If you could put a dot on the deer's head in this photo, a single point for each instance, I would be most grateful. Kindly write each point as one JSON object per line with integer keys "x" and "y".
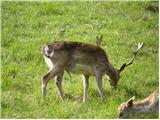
{"x": 114, "y": 74}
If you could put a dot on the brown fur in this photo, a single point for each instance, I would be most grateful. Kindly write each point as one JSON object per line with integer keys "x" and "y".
{"x": 87, "y": 49}
{"x": 86, "y": 53}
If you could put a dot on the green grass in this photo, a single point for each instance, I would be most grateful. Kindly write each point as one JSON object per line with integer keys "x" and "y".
{"x": 27, "y": 26}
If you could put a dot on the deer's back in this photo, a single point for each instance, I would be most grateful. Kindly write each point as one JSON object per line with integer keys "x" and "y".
{"x": 83, "y": 50}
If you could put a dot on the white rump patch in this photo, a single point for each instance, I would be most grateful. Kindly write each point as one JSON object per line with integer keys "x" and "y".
{"x": 49, "y": 62}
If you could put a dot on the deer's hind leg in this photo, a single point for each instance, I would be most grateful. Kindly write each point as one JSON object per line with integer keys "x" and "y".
{"x": 46, "y": 78}
{"x": 58, "y": 81}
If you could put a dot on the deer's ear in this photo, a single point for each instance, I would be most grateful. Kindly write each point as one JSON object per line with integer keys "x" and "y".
{"x": 130, "y": 102}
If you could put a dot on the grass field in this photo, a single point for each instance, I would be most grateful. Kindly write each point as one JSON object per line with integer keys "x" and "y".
{"x": 27, "y": 26}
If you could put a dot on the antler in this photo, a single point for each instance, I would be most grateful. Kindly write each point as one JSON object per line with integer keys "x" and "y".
{"x": 99, "y": 40}
{"x": 140, "y": 45}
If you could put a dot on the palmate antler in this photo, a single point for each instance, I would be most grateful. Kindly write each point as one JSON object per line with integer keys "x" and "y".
{"x": 140, "y": 45}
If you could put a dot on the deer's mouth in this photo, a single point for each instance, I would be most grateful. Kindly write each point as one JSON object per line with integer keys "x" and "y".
{"x": 112, "y": 83}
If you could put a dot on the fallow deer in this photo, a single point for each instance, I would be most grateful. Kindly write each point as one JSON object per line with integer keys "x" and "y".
{"x": 79, "y": 58}
{"x": 133, "y": 108}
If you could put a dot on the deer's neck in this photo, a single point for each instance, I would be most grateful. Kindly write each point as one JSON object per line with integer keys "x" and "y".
{"x": 112, "y": 72}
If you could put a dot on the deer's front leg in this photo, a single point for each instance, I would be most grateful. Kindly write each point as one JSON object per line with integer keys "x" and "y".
{"x": 99, "y": 83}
{"x": 47, "y": 77}
{"x": 85, "y": 84}
{"x": 58, "y": 81}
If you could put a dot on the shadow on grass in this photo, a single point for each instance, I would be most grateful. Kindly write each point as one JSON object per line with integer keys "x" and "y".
{"x": 72, "y": 98}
